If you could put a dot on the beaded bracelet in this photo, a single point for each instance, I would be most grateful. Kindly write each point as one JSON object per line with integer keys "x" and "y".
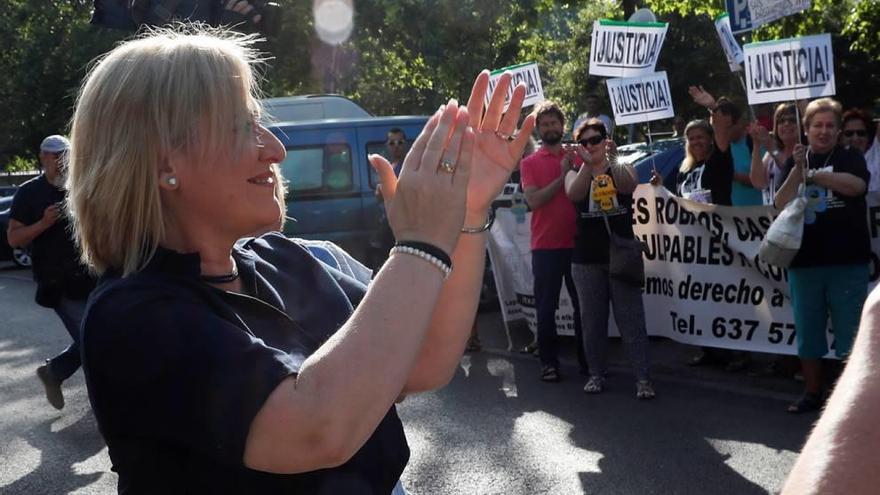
{"x": 428, "y": 252}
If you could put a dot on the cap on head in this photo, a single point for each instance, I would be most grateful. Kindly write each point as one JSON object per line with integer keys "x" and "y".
{"x": 55, "y": 144}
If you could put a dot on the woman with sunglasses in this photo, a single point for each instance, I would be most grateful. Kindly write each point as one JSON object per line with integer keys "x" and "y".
{"x": 602, "y": 192}
{"x": 777, "y": 147}
{"x": 829, "y": 274}
{"x": 856, "y": 134}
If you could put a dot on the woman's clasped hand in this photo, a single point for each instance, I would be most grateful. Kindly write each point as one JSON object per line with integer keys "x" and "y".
{"x": 456, "y": 167}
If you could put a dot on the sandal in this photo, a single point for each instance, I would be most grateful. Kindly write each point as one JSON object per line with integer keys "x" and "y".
{"x": 550, "y": 374}
{"x": 806, "y": 403}
{"x": 644, "y": 390}
{"x": 594, "y": 385}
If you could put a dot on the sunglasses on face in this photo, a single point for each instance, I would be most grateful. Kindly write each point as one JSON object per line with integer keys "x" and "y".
{"x": 855, "y": 132}
{"x": 396, "y": 142}
{"x": 592, "y": 141}
{"x": 786, "y": 120}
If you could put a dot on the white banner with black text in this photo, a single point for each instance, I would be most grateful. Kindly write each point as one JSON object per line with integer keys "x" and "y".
{"x": 704, "y": 282}
{"x": 625, "y": 49}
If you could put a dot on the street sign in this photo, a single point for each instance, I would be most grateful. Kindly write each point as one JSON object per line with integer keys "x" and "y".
{"x": 746, "y": 15}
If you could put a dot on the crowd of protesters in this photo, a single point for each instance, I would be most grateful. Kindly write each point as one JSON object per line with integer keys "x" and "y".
{"x": 728, "y": 161}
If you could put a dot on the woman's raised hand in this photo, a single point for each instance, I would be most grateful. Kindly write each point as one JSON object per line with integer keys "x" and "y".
{"x": 427, "y": 202}
{"x": 497, "y": 144}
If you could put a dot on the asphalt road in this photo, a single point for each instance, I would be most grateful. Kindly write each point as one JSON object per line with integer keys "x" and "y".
{"x": 496, "y": 429}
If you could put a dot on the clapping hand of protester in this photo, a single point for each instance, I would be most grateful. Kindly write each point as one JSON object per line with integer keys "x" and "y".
{"x": 495, "y": 150}
{"x": 427, "y": 202}
{"x": 611, "y": 150}
{"x": 702, "y": 97}
{"x": 568, "y": 158}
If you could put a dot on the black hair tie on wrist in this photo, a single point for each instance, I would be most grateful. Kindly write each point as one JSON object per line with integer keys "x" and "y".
{"x": 427, "y": 248}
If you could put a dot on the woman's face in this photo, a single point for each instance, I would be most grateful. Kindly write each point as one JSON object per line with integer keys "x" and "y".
{"x": 855, "y": 134}
{"x": 822, "y": 131}
{"x": 699, "y": 144}
{"x": 234, "y": 192}
{"x": 594, "y": 143}
{"x": 787, "y": 128}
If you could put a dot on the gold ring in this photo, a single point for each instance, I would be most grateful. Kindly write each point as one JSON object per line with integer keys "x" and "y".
{"x": 506, "y": 137}
{"x": 447, "y": 166}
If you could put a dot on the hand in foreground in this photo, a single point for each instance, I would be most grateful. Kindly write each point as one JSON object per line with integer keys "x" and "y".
{"x": 427, "y": 202}
{"x": 495, "y": 156}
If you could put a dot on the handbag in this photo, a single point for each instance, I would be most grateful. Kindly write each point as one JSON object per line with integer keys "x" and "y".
{"x": 625, "y": 262}
{"x": 782, "y": 241}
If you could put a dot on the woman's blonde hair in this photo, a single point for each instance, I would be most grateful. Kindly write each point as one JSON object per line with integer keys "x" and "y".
{"x": 822, "y": 105}
{"x": 188, "y": 89}
{"x": 689, "y": 161}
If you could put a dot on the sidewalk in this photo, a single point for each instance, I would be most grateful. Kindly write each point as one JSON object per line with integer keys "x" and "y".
{"x": 668, "y": 361}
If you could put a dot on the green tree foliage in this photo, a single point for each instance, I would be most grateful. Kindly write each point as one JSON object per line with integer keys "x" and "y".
{"x": 861, "y": 25}
{"x": 47, "y": 46}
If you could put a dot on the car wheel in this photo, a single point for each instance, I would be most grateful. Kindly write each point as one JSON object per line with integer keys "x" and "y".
{"x": 22, "y": 257}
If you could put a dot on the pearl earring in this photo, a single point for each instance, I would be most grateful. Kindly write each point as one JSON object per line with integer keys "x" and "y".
{"x": 172, "y": 181}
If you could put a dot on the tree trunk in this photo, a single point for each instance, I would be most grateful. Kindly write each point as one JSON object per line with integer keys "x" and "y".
{"x": 629, "y": 7}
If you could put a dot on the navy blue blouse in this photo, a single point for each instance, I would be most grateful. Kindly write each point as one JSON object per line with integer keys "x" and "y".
{"x": 177, "y": 369}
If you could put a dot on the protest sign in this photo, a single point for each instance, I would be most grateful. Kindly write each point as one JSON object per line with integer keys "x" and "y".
{"x": 705, "y": 284}
{"x": 523, "y": 73}
{"x": 750, "y": 14}
{"x": 511, "y": 257}
{"x": 731, "y": 48}
{"x": 789, "y": 69}
{"x": 640, "y": 99}
{"x": 625, "y": 49}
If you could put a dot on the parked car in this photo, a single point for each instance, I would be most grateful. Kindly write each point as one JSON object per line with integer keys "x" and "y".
{"x": 19, "y": 256}
{"x": 665, "y": 155}
{"x": 312, "y": 107}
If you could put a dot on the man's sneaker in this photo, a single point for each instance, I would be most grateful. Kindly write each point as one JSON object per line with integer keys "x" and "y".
{"x": 594, "y": 385}
{"x": 52, "y": 386}
{"x": 644, "y": 390}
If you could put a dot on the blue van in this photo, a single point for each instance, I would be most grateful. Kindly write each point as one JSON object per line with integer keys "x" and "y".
{"x": 330, "y": 182}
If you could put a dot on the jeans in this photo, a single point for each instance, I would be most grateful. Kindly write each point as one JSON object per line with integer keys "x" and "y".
{"x": 597, "y": 289}
{"x": 549, "y": 268}
{"x": 71, "y": 313}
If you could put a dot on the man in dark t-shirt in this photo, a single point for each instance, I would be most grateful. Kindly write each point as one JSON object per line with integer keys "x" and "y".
{"x": 63, "y": 283}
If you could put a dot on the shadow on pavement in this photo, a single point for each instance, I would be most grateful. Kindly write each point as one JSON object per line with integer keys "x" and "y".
{"x": 534, "y": 437}
{"x": 59, "y": 454}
